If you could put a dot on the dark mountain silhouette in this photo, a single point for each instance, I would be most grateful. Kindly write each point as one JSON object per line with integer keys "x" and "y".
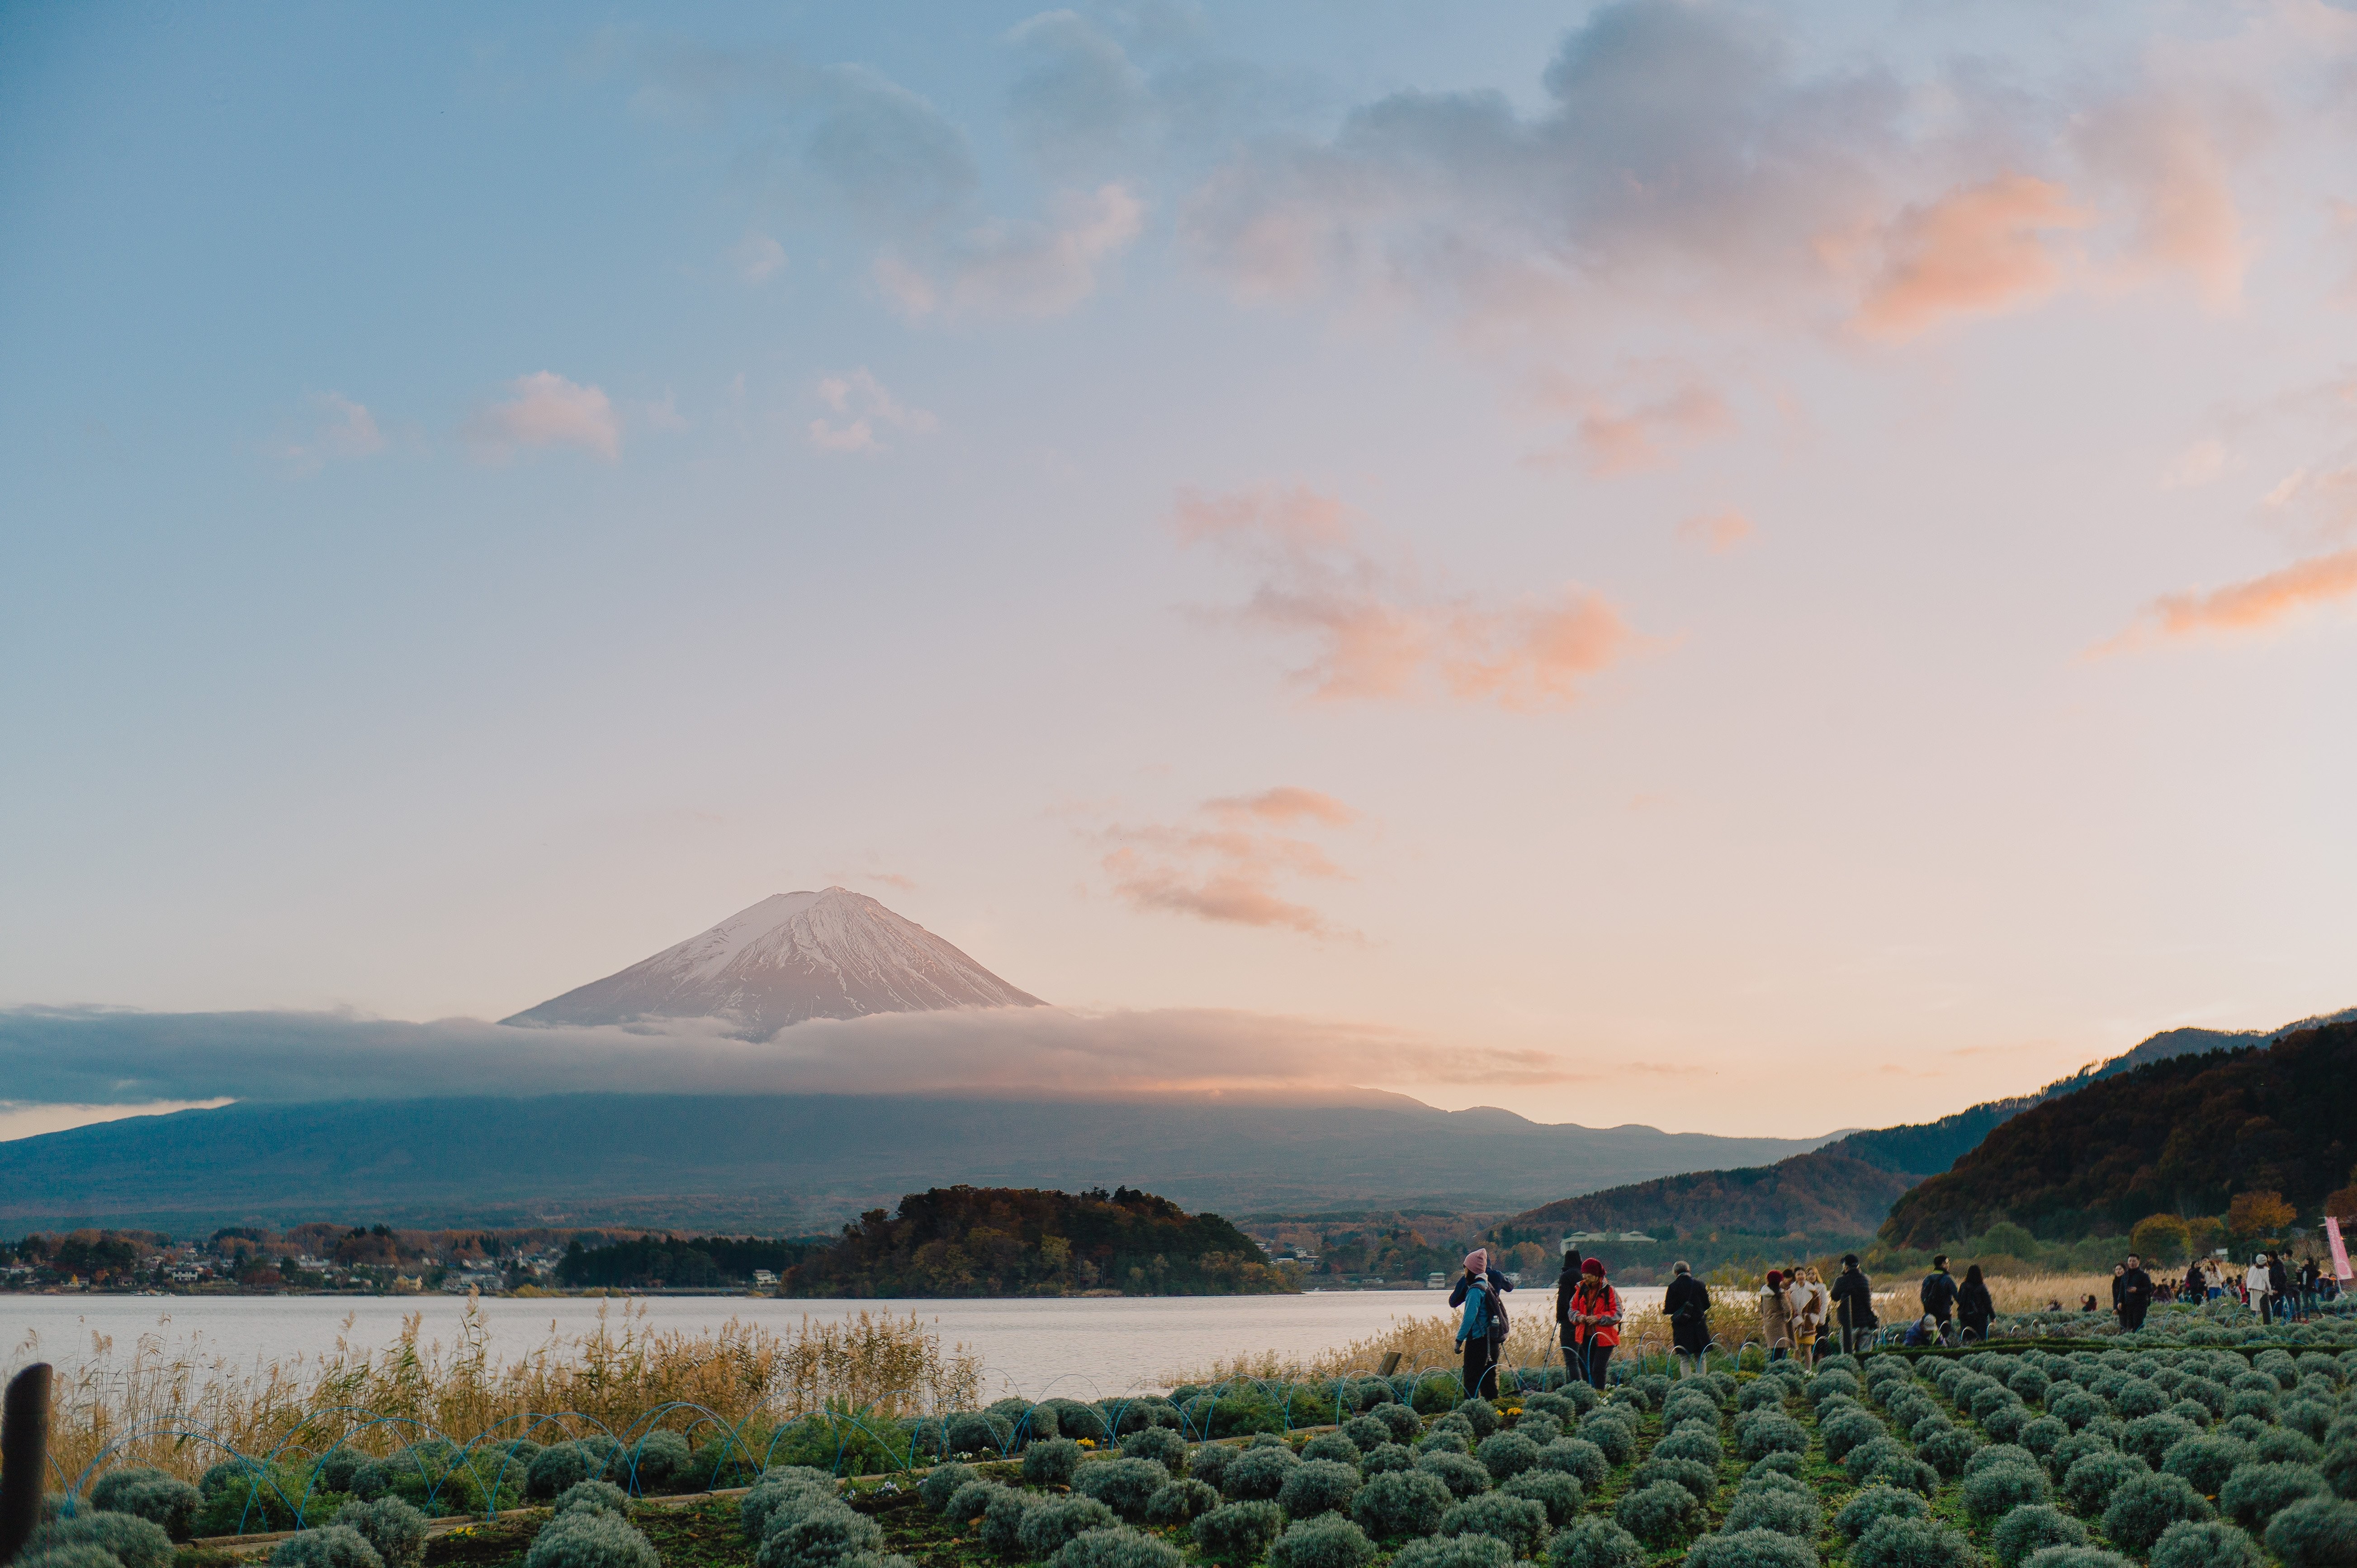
{"x": 2183, "y": 1134}
{"x": 782, "y": 1164}
{"x": 1846, "y": 1187}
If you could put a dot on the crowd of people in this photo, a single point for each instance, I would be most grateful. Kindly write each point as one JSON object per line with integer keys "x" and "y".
{"x": 1801, "y": 1314}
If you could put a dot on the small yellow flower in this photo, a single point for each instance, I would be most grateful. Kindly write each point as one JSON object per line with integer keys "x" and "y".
{"x": 1088, "y": 1443}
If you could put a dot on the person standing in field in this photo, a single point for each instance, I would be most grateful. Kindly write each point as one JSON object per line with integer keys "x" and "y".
{"x": 2255, "y": 1287}
{"x": 1812, "y": 1305}
{"x": 1939, "y": 1293}
{"x": 1776, "y": 1316}
{"x": 1565, "y": 1282}
{"x": 2134, "y": 1293}
{"x": 1686, "y": 1303}
{"x": 2279, "y": 1287}
{"x": 1853, "y": 1304}
{"x": 1973, "y": 1307}
{"x": 1481, "y": 1332}
{"x": 1595, "y": 1320}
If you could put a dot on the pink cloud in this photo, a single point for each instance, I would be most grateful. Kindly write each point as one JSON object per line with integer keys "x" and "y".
{"x": 1381, "y": 634}
{"x": 867, "y": 404}
{"x": 1717, "y": 532}
{"x": 2171, "y": 157}
{"x": 544, "y": 408}
{"x": 1224, "y": 862}
{"x": 2244, "y": 606}
{"x": 1977, "y": 251}
{"x": 1615, "y": 439}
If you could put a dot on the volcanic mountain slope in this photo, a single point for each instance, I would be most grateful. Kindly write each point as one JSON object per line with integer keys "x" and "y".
{"x": 832, "y": 954}
{"x": 1848, "y": 1185}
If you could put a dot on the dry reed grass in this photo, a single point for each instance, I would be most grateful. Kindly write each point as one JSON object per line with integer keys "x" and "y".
{"x": 170, "y": 1405}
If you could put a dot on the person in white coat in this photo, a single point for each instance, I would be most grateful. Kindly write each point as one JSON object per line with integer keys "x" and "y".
{"x": 2255, "y": 1282}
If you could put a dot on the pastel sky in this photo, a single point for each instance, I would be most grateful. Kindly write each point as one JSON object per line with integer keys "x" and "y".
{"x": 1793, "y": 565}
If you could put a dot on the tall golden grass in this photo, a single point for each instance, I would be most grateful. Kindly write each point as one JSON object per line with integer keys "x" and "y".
{"x": 172, "y": 1405}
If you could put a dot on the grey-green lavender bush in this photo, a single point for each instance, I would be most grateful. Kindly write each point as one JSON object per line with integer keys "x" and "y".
{"x": 1316, "y": 1487}
{"x": 2207, "y": 1461}
{"x": 1258, "y": 1474}
{"x": 131, "y": 1540}
{"x": 1462, "y": 1475}
{"x": 2094, "y": 1477}
{"x": 1126, "y": 1486}
{"x": 1998, "y": 1489}
{"x": 164, "y": 1500}
{"x": 2321, "y": 1533}
{"x": 1895, "y": 1541}
{"x": 1401, "y": 1503}
{"x": 1385, "y": 1457}
{"x": 1751, "y": 1549}
{"x": 1238, "y": 1533}
{"x": 2141, "y": 1509}
{"x": 1552, "y": 1490}
{"x": 1328, "y": 1540}
{"x": 393, "y": 1527}
{"x": 595, "y": 1497}
{"x": 1052, "y": 1463}
{"x": 1781, "y": 1463}
{"x": 1702, "y": 1480}
{"x": 1583, "y": 1461}
{"x": 1869, "y": 1507}
{"x": 2282, "y": 1445}
{"x": 942, "y": 1483}
{"x": 1400, "y": 1420}
{"x": 1209, "y": 1462}
{"x": 1116, "y": 1549}
{"x": 1695, "y": 1444}
{"x": 2255, "y": 1492}
{"x": 1791, "y": 1513}
{"x": 2204, "y": 1543}
{"x": 1661, "y": 1515}
{"x": 1506, "y": 1454}
{"x": 1518, "y": 1521}
{"x": 1483, "y": 1414}
{"x": 2075, "y": 1557}
{"x": 1003, "y": 1519}
{"x": 1846, "y": 1430}
{"x": 2032, "y": 1528}
{"x": 1180, "y": 1502}
{"x": 1048, "y": 1524}
{"x": 1167, "y": 1449}
{"x": 1458, "y": 1552}
{"x": 1594, "y": 1541}
{"x": 824, "y": 1537}
{"x": 335, "y": 1546}
{"x": 605, "y": 1541}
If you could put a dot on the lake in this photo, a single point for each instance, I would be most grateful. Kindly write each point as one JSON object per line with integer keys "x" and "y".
{"x": 1077, "y": 1347}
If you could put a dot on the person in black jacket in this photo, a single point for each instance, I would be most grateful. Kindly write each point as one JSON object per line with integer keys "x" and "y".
{"x": 2134, "y": 1289}
{"x": 1565, "y": 1283}
{"x": 1973, "y": 1307}
{"x": 1686, "y": 1303}
{"x": 1939, "y": 1293}
{"x": 1482, "y": 1349}
{"x": 2279, "y": 1286}
{"x": 1853, "y": 1304}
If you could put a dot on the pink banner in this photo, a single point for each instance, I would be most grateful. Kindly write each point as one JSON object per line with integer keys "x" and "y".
{"x": 2339, "y": 1252}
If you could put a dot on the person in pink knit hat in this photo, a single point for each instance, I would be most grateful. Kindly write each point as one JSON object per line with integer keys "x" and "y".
{"x": 1481, "y": 1331}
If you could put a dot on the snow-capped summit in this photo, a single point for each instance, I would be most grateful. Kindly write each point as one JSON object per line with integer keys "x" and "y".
{"x": 834, "y": 954}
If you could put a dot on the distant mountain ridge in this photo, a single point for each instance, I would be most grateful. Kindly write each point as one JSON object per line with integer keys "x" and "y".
{"x": 793, "y": 956}
{"x": 787, "y": 1164}
{"x": 1848, "y": 1185}
{"x": 2182, "y": 1133}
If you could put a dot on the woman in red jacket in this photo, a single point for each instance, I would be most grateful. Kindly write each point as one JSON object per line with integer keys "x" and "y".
{"x": 1594, "y": 1320}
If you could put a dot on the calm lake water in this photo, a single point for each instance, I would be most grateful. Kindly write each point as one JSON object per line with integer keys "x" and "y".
{"x": 1077, "y": 1348}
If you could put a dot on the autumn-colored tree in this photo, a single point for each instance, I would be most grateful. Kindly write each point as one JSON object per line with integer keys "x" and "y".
{"x": 2262, "y": 1212}
{"x": 2161, "y": 1239}
{"x": 2208, "y": 1233}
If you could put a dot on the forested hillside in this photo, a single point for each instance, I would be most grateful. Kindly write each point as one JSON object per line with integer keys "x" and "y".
{"x": 973, "y": 1241}
{"x": 2182, "y": 1135}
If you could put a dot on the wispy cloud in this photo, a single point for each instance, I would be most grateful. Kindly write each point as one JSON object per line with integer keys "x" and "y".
{"x": 1976, "y": 251}
{"x": 1225, "y": 861}
{"x": 2169, "y": 153}
{"x": 1009, "y": 267}
{"x": 1622, "y": 436}
{"x": 865, "y": 403}
{"x": 2245, "y": 606}
{"x": 545, "y": 409}
{"x": 341, "y": 430}
{"x": 1716, "y": 533}
{"x": 1381, "y": 633}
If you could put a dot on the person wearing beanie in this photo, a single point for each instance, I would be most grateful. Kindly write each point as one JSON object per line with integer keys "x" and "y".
{"x": 1686, "y": 1303}
{"x": 1481, "y": 1332}
{"x": 1594, "y": 1321}
{"x": 1565, "y": 1283}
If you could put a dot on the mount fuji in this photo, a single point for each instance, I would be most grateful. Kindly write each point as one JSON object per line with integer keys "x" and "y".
{"x": 830, "y": 954}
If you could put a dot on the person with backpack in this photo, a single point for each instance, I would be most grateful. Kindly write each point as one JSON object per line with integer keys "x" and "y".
{"x": 1973, "y": 1307}
{"x": 1481, "y": 1332}
{"x": 1853, "y": 1304}
{"x": 1686, "y": 1303}
{"x": 1939, "y": 1293}
{"x": 1595, "y": 1320}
